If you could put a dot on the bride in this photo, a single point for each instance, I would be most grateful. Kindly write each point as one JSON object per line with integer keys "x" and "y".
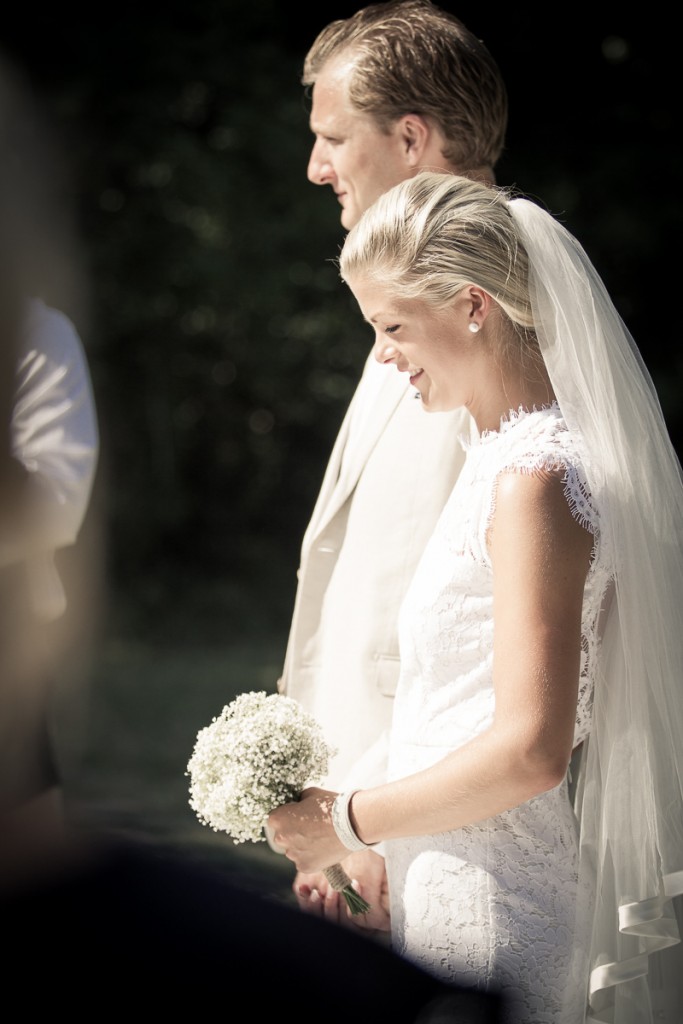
{"x": 545, "y": 620}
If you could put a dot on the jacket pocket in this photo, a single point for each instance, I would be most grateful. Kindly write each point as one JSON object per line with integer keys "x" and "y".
{"x": 388, "y": 668}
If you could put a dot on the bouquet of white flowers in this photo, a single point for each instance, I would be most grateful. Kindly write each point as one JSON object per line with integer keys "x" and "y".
{"x": 257, "y": 754}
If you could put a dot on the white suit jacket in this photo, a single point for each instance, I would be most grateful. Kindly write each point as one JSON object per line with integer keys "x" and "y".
{"x": 391, "y": 470}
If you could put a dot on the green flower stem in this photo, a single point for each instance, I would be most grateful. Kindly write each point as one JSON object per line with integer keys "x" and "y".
{"x": 341, "y": 882}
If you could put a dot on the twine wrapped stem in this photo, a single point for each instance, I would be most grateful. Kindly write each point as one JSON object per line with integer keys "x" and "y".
{"x": 341, "y": 882}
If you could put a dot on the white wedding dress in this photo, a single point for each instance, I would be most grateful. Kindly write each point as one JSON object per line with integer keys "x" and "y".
{"x": 492, "y": 904}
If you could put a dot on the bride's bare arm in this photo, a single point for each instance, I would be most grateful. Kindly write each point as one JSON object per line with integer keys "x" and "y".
{"x": 540, "y": 556}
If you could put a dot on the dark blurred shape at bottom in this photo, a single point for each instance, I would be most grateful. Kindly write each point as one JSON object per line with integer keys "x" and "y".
{"x": 126, "y": 925}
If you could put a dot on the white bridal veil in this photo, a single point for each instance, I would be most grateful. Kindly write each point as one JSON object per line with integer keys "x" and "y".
{"x": 630, "y": 804}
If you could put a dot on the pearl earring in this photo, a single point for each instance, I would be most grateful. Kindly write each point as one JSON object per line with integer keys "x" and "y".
{"x": 474, "y": 327}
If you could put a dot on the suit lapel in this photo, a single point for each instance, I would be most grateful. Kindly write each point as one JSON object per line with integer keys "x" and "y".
{"x": 347, "y": 460}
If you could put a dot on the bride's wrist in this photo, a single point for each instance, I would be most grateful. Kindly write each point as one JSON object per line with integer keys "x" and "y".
{"x": 345, "y": 824}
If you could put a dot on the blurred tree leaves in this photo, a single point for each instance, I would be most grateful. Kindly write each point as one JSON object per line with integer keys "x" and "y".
{"x": 223, "y": 347}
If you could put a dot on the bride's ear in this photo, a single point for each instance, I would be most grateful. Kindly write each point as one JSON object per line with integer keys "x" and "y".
{"x": 477, "y": 306}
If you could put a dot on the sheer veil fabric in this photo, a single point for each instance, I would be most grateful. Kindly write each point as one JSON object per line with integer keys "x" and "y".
{"x": 630, "y": 797}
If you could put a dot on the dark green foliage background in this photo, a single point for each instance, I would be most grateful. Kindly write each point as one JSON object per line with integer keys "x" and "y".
{"x": 223, "y": 347}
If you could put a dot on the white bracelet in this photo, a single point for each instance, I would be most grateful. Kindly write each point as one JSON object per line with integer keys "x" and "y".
{"x": 342, "y": 823}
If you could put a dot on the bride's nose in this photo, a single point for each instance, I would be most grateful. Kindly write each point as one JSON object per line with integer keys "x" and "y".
{"x": 385, "y": 352}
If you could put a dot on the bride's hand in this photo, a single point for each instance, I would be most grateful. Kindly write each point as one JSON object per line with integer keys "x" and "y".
{"x": 304, "y": 831}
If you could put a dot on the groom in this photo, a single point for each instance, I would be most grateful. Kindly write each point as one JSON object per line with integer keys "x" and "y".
{"x": 396, "y": 88}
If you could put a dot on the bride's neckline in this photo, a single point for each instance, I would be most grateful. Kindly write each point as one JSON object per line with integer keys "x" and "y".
{"x": 512, "y": 418}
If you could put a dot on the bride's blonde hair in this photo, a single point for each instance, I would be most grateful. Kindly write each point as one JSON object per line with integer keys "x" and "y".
{"x": 435, "y": 233}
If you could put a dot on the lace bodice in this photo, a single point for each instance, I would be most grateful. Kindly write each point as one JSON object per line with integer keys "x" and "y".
{"x": 446, "y": 621}
{"x": 513, "y": 878}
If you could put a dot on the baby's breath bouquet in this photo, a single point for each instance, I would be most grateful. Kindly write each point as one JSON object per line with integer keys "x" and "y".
{"x": 257, "y": 754}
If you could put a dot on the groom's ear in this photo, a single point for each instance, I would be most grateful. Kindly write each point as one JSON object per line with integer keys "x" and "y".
{"x": 414, "y": 133}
